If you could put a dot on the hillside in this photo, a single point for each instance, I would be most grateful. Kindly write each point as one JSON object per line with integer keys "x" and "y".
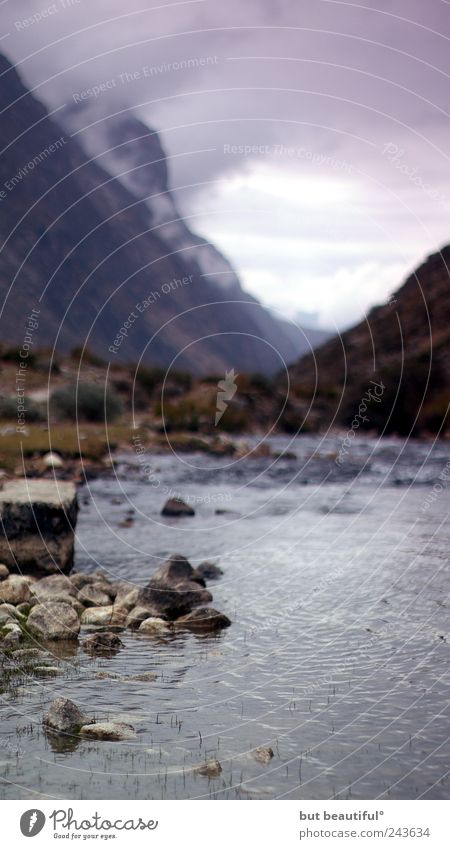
{"x": 403, "y": 345}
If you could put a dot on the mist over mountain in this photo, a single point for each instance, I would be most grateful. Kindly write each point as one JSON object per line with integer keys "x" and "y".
{"x": 95, "y": 243}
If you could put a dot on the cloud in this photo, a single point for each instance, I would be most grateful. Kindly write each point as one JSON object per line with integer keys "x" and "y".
{"x": 338, "y": 81}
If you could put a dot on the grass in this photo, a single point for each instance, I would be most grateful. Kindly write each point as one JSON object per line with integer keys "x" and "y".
{"x": 91, "y": 442}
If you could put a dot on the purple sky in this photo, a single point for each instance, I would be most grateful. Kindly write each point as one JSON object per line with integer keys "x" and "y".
{"x": 347, "y": 104}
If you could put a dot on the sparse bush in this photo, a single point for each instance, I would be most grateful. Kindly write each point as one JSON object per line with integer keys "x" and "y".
{"x": 86, "y": 401}
{"x": 8, "y": 410}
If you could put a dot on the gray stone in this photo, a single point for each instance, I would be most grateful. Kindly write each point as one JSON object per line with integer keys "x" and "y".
{"x": 4, "y": 571}
{"x": 209, "y": 571}
{"x": 53, "y": 585}
{"x": 38, "y": 518}
{"x": 165, "y": 600}
{"x": 108, "y": 616}
{"x": 203, "y": 619}
{"x": 211, "y": 768}
{"x": 138, "y": 614}
{"x": 103, "y": 641}
{"x": 153, "y": 625}
{"x": 14, "y": 590}
{"x": 65, "y": 716}
{"x": 92, "y": 595}
{"x": 54, "y": 620}
{"x": 174, "y": 570}
{"x": 177, "y": 507}
{"x": 263, "y": 754}
{"x": 108, "y": 731}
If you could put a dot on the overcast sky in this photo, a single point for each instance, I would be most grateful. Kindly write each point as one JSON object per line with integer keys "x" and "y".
{"x": 347, "y": 104}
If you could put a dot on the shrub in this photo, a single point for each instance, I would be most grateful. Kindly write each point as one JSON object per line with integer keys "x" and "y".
{"x": 8, "y": 410}
{"x": 86, "y": 401}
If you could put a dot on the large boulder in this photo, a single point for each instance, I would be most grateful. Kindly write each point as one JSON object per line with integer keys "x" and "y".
{"x": 38, "y": 519}
{"x": 65, "y": 716}
{"x": 177, "y": 507}
{"x": 14, "y": 590}
{"x": 54, "y": 620}
{"x": 203, "y": 619}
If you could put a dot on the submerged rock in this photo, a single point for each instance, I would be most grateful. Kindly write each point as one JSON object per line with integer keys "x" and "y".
{"x": 203, "y": 619}
{"x": 65, "y": 716}
{"x": 108, "y": 731}
{"x": 14, "y": 590}
{"x": 103, "y": 641}
{"x": 54, "y": 620}
{"x": 177, "y": 507}
{"x": 211, "y": 769}
{"x": 263, "y": 754}
{"x": 38, "y": 518}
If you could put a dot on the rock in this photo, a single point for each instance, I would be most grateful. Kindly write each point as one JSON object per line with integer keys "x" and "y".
{"x": 211, "y": 769}
{"x": 38, "y": 518}
{"x": 153, "y": 625}
{"x": 165, "y": 600}
{"x": 65, "y": 716}
{"x": 7, "y": 614}
{"x": 108, "y": 731}
{"x": 54, "y": 620}
{"x": 52, "y": 586}
{"x": 43, "y": 671}
{"x": 209, "y": 571}
{"x": 108, "y": 616}
{"x": 103, "y": 641}
{"x": 127, "y": 596}
{"x": 142, "y": 676}
{"x": 92, "y": 595}
{"x": 193, "y": 593}
{"x": 263, "y": 754}
{"x": 138, "y": 614}
{"x": 174, "y": 570}
{"x": 4, "y": 571}
{"x": 24, "y": 608}
{"x": 203, "y": 619}
{"x": 14, "y": 590}
{"x": 52, "y": 461}
{"x": 80, "y": 579}
{"x": 177, "y": 507}
{"x": 13, "y": 636}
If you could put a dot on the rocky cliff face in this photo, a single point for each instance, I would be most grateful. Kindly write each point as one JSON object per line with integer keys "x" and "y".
{"x": 403, "y": 345}
{"x": 108, "y": 262}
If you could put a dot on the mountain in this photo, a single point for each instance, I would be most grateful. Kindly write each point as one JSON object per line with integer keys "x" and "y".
{"x": 109, "y": 263}
{"x": 402, "y": 347}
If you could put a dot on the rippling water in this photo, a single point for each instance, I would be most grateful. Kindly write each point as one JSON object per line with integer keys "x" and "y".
{"x": 336, "y": 580}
